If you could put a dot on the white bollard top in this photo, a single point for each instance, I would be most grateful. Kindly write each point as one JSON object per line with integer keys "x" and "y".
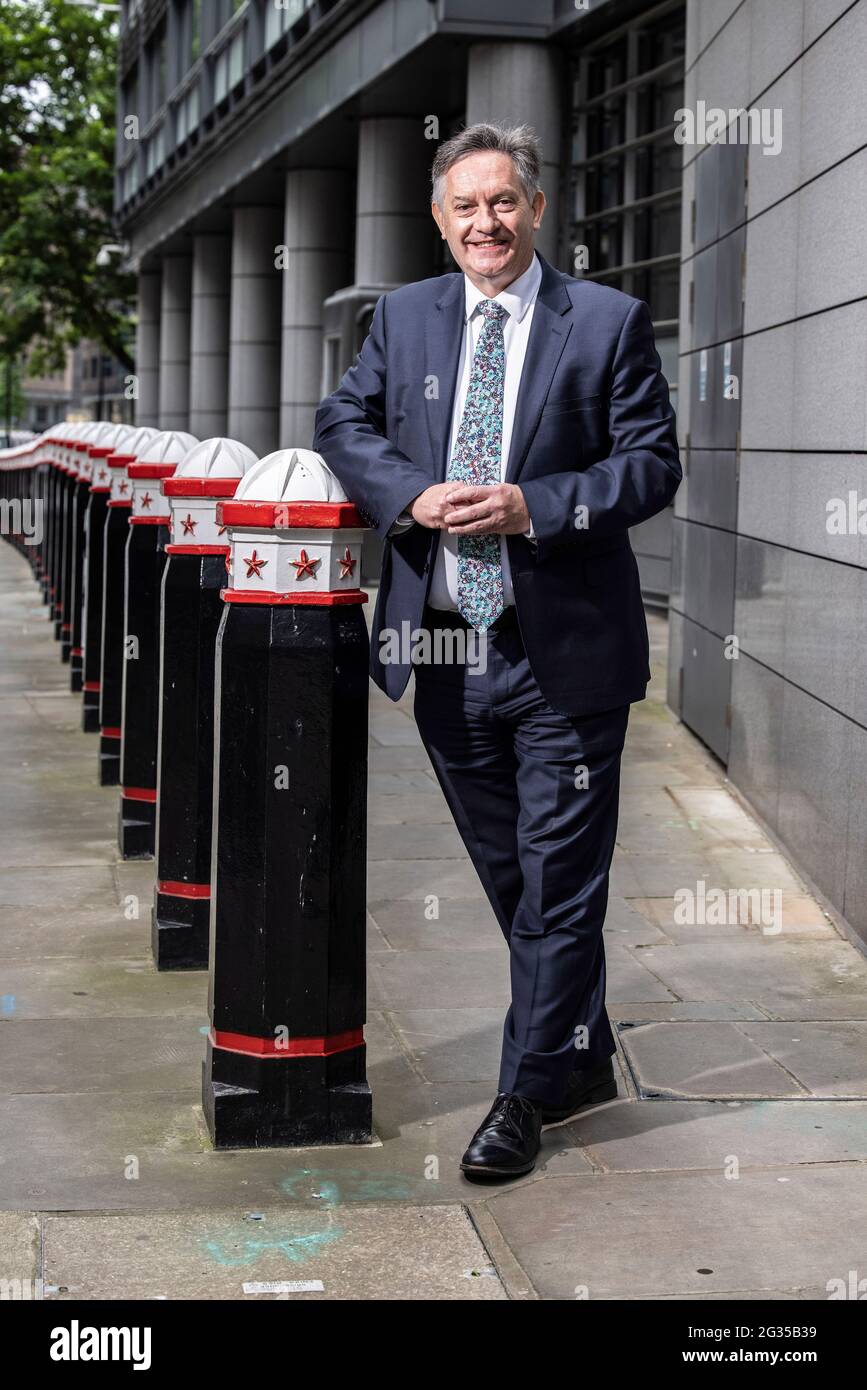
{"x": 168, "y": 447}
{"x": 210, "y": 471}
{"x": 104, "y": 443}
{"x": 291, "y": 475}
{"x": 158, "y": 459}
{"x": 217, "y": 458}
{"x": 131, "y": 444}
{"x": 294, "y": 536}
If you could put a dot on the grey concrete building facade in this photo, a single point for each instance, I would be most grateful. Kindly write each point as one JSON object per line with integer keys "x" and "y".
{"x": 272, "y": 170}
{"x": 769, "y": 587}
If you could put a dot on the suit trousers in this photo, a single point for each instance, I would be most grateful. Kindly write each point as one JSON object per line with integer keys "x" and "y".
{"x": 534, "y": 794}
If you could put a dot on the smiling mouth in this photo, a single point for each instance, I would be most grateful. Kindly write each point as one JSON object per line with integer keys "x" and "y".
{"x": 484, "y": 244}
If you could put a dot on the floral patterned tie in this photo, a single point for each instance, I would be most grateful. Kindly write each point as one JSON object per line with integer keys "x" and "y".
{"x": 476, "y": 461}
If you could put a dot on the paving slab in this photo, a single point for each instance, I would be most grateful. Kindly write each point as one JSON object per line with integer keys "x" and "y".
{"x": 440, "y": 979}
{"x": 624, "y": 1235}
{"x": 75, "y": 988}
{"x": 40, "y": 933}
{"x": 459, "y": 922}
{"x": 428, "y": 808}
{"x": 758, "y": 967}
{"x": 828, "y": 1059}
{"x": 65, "y": 887}
{"x": 19, "y": 1254}
{"x": 680, "y": 1010}
{"x": 630, "y": 977}
{"x": 383, "y": 1253}
{"x": 703, "y": 1060}
{"x": 423, "y": 878}
{"x": 453, "y": 1044}
{"x": 800, "y": 916}
{"x": 414, "y": 842}
{"x": 635, "y": 1136}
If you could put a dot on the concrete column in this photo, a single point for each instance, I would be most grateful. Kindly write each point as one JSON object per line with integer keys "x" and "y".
{"x": 254, "y": 333}
{"x": 175, "y": 344}
{"x": 147, "y": 348}
{"x": 520, "y": 84}
{"x": 394, "y": 234}
{"x": 209, "y": 335}
{"x": 318, "y": 216}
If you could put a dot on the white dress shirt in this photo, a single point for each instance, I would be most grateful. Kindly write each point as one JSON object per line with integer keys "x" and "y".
{"x": 519, "y": 300}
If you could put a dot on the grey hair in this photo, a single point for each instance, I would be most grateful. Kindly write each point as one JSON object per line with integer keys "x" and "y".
{"x": 519, "y": 142}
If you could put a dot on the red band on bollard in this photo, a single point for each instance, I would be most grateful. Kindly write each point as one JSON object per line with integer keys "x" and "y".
{"x": 288, "y": 515}
{"x": 110, "y": 732}
{"x": 177, "y": 549}
{"x": 91, "y": 685}
{"x": 139, "y": 793}
{"x": 293, "y": 1047}
{"x": 323, "y": 599}
{"x": 176, "y": 889}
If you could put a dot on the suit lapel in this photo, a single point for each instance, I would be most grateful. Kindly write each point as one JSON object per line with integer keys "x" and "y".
{"x": 444, "y": 328}
{"x": 548, "y": 334}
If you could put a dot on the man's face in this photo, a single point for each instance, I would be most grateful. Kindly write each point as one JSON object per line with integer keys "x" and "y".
{"x": 487, "y": 220}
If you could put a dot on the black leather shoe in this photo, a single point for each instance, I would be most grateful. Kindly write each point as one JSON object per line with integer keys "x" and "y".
{"x": 591, "y": 1086}
{"x": 507, "y": 1141}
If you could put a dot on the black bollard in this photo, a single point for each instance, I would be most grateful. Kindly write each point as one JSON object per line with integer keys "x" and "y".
{"x": 126, "y": 450}
{"x": 49, "y": 478}
{"x": 145, "y": 562}
{"x": 81, "y": 464}
{"x": 61, "y": 544}
{"x": 192, "y": 608}
{"x": 67, "y": 456}
{"x": 61, "y": 515}
{"x": 285, "y": 1062}
{"x": 98, "y": 446}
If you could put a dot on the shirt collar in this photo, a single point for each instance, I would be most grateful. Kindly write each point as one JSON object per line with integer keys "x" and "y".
{"x": 516, "y": 298}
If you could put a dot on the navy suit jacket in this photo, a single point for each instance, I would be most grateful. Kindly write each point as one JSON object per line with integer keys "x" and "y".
{"x": 594, "y": 428}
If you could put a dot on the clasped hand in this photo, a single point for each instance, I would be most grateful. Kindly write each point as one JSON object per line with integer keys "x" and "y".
{"x": 465, "y": 510}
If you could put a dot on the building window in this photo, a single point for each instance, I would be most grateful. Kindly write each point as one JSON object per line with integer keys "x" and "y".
{"x": 229, "y": 67}
{"x": 156, "y": 72}
{"x": 236, "y": 59}
{"x": 625, "y": 168}
{"x": 280, "y": 18}
{"x": 156, "y": 151}
{"x": 187, "y": 115}
{"x": 195, "y": 30}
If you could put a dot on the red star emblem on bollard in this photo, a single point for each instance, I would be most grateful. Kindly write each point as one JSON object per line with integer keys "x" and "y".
{"x": 254, "y": 565}
{"x": 305, "y": 565}
{"x": 123, "y": 487}
{"x": 347, "y": 564}
{"x": 146, "y": 501}
{"x": 188, "y": 524}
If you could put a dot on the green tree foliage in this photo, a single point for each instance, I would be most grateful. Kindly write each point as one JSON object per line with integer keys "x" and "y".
{"x": 57, "y": 108}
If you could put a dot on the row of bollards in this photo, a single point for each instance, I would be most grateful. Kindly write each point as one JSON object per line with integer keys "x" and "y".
{"x": 208, "y": 605}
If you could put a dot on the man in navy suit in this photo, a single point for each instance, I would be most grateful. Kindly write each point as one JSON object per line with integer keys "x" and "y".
{"x": 501, "y": 430}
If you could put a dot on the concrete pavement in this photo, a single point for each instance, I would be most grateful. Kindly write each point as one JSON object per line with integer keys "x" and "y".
{"x": 732, "y": 1165}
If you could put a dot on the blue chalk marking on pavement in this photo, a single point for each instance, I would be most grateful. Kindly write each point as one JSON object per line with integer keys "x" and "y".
{"x": 362, "y": 1187}
{"x": 7, "y": 1004}
{"x": 297, "y": 1249}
